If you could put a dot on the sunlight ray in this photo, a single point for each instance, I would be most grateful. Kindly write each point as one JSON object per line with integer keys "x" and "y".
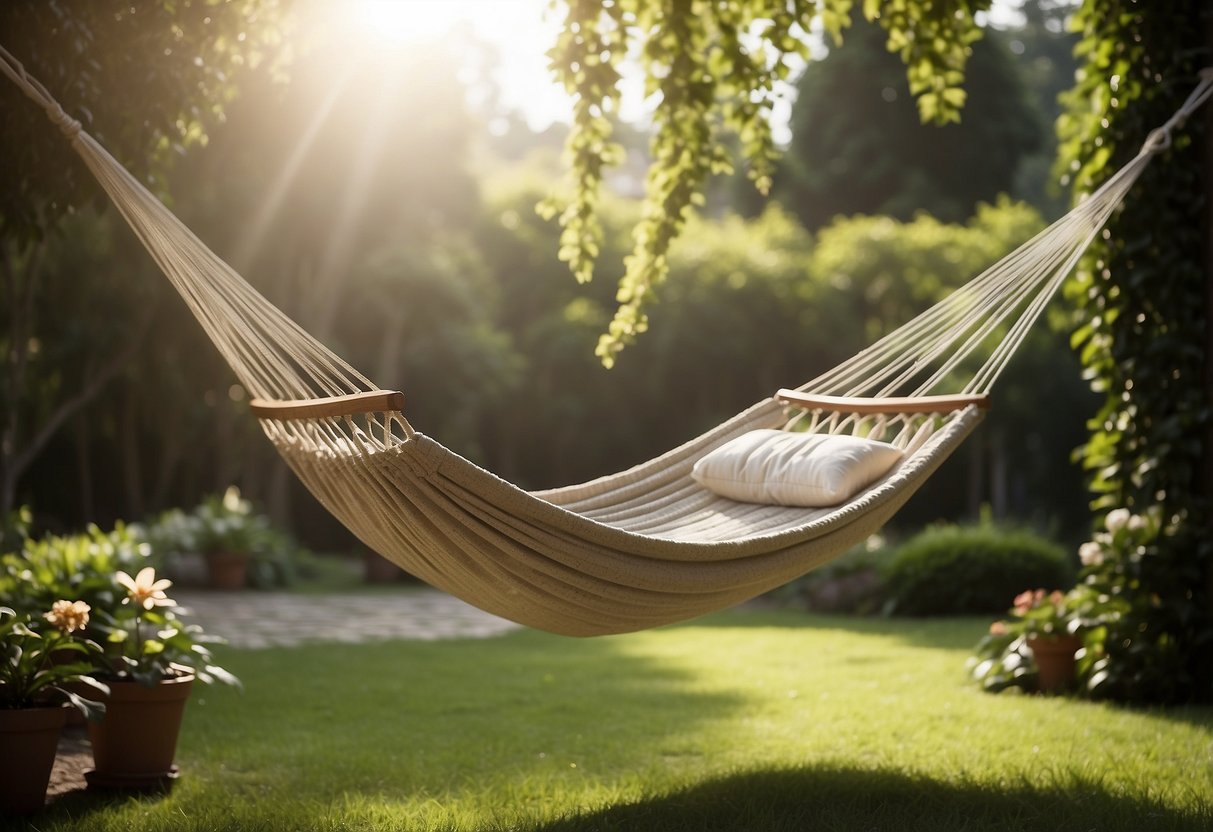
{"x": 249, "y": 246}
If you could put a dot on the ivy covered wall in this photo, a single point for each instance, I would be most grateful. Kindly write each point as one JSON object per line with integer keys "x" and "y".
{"x": 1143, "y": 298}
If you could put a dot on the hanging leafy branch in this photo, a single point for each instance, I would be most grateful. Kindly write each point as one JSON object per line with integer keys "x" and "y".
{"x": 933, "y": 40}
{"x": 712, "y": 68}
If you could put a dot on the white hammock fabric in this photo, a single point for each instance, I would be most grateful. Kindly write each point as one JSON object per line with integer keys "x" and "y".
{"x": 641, "y": 548}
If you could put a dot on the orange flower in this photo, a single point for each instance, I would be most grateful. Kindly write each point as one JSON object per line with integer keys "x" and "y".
{"x": 144, "y": 589}
{"x": 68, "y": 616}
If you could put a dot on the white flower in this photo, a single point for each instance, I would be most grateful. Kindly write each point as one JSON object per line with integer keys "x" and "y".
{"x": 233, "y": 502}
{"x": 1117, "y": 519}
{"x": 144, "y": 589}
{"x": 1136, "y": 523}
{"x": 1090, "y": 553}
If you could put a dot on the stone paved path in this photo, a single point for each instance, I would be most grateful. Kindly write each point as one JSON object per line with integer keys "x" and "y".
{"x": 256, "y": 620}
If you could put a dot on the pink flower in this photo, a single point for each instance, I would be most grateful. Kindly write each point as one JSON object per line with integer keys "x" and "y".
{"x": 998, "y": 628}
{"x": 1028, "y": 599}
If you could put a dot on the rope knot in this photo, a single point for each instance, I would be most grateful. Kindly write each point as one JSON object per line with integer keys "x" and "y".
{"x": 66, "y": 124}
{"x": 1158, "y": 140}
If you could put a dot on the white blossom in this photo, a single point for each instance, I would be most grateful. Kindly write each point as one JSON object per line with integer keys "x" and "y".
{"x": 1117, "y": 519}
{"x": 1090, "y": 553}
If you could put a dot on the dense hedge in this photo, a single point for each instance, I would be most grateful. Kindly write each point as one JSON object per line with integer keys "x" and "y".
{"x": 960, "y": 570}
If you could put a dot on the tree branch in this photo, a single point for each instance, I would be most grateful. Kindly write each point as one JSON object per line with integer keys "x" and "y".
{"x": 86, "y": 394}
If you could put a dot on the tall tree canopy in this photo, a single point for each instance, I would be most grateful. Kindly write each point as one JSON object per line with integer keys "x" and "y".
{"x": 859, "y": 147}
{"x": 145, "y": 79}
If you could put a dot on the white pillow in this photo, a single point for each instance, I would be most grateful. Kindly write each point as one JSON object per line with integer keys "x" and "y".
{"x": 794, "y": 469}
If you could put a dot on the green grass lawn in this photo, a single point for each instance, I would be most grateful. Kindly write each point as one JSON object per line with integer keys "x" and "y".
{"x": 748, "y": 720}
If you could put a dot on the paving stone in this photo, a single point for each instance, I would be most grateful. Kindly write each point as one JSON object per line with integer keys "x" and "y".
{"x": 259, "y": 620}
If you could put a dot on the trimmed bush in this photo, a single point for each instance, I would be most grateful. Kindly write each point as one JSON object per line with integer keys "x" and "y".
{"x": 970, "y": 570}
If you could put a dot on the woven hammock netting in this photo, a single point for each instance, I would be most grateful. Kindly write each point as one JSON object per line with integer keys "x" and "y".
{"x": 644, "y": 547}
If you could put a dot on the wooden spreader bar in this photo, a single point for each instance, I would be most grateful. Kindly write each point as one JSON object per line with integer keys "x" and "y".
{"x": 883, "y": 405}
{"x": 374, "y": 401}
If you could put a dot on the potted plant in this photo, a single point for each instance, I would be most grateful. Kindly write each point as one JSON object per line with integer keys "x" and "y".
{"x": 239, "y": 546}
{"x": 40, "y": 571}
{"x": 1039, "y": 644}
{"x": 35, "y": 670}
{"x": 227, "y": 534}
{"x": 151, "y": 665}
{"x": 1051, "y": 635}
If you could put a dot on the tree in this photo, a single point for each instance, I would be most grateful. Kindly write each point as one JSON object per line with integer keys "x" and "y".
{"x": 713, "y": 66}
{"x": 859, "y": 147}
{"x": 147, "y": 80}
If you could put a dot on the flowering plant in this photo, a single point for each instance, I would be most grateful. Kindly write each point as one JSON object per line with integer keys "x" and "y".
{"x": 34, "y": 667}
{"x": 1003, "y": 658}
{"x": 1124, "y": 640}
{"x": 1124, "y": 536}
{"x": 148, "y": 639}
{"x": 1041, "y": 614}
{"x": 1098, "y": 608}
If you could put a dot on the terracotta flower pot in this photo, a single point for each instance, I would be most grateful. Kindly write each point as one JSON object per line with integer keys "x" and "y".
{"x": 227, "y": 570}
{"x": 134, "y": 745}
{"x": 29, "y": 737}
{"x": 1055, "y": 661}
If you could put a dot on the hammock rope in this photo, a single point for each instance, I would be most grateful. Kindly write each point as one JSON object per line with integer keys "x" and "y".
{"x": 646, "y": 546}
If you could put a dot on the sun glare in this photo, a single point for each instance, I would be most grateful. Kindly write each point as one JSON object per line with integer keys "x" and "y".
{"x": 397, "y": 21}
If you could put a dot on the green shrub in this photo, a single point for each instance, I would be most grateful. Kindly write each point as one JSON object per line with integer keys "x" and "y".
{"x": 79, "y": 567}
{"x": 963, "y": 570}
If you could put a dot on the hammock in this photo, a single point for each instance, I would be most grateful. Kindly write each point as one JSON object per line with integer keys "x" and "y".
{"x": 644, "y": 547}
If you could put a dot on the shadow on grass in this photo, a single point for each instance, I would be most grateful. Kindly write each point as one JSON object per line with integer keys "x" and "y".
{"x": 397, "y": 718}
{"x": 824, "y": 798}
{"x": 77, "y": 805}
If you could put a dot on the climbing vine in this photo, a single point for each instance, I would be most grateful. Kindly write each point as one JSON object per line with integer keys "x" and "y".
{"x": 1141, "y": 296}
{"x": 712, "y": 68}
